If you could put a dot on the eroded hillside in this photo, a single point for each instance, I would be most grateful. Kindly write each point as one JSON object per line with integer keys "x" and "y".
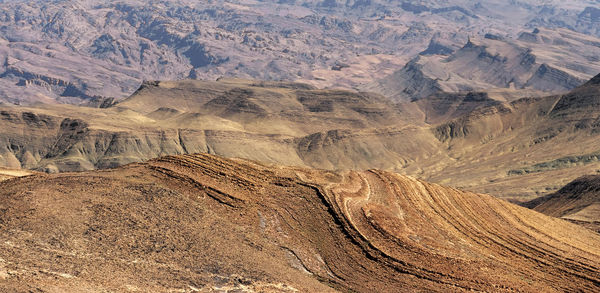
{"x": 552, "y": 61}
{"x": 73, "y": 51}
{"x": 516, "y": 150}
{"x": 578, "y": 202}
{"x": 237, "y": 118}
{"x": 201, "y": 222}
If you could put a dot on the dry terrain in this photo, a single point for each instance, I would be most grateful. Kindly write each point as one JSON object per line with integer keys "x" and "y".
{"x": 78, "y": 51}
{"x": 201, "y": 222}
{"x": 517, "y": 150}
{"x": 6, "y": 174}
{"x": 578, "y": 202}
{"x": 299, "y": 146}
{"x": 539, "y": 60}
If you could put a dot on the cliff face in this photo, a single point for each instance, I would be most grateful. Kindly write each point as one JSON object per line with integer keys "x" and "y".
{"x": 204, "y": 222}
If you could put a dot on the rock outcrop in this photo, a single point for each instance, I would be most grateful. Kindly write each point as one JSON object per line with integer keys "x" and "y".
{"x": 201, "y": 222}
{"x": 546, "y": 60}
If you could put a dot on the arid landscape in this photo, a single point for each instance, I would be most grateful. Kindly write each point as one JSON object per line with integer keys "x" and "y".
{"x": 576, "y": 202}
{"x": 206, "y": 223}
{"x": 471, "y": 141}
{"x": 74, "y": 51}
{"x": 299, "y": 146}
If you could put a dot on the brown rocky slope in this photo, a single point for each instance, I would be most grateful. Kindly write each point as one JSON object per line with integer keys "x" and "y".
{"x": 578, "y": 202}
{"x": 516, "y": 150}
{"x": 201, "y": 222}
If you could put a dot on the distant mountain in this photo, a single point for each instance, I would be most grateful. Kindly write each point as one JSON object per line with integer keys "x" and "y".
{"x": 76, "y": 51}
{"x": 543, "y": 60}
{"x": 581, "y": 106}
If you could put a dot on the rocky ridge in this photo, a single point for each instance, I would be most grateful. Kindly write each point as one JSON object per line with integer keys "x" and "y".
{"x": 551, "y": 61}
{"x": 578, "y": 202}
{"x": 73, "y": 51}
{"x": 516, "y": 150}
{"x": 201, "y": 222}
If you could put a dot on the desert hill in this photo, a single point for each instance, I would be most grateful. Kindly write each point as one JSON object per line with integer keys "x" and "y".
{"x": 578, "y": 201}
{"x": 525, "y": 144}
{"x": 201, "y": 222}
{"x": 261, "y": 121}
{"x": 517, "y": 150}
{"x": 542, "y": 60}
